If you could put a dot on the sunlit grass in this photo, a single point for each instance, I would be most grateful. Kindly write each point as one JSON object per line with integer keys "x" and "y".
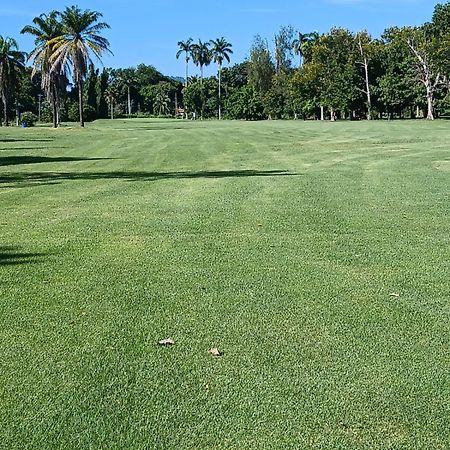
{"x": 314, "y": 255}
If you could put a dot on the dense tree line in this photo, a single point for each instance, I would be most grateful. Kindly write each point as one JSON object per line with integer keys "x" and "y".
{"x": 339, "y": 74}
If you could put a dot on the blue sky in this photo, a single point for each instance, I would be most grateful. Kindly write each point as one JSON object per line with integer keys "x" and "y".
{"x": 147, "y": 30}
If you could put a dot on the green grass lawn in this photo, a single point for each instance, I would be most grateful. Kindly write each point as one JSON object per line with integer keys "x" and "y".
{"x": 281, "y": 243}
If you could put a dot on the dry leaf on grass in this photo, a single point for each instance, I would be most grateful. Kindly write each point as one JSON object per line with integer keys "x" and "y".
{"x": 215, "y": 352}
{"x": 167, "y": 341}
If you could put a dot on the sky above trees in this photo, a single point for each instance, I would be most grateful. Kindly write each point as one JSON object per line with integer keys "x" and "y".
{"x": 148, "y": 31}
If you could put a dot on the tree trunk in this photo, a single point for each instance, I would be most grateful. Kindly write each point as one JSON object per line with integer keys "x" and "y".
{"x": 332, "y": 116}
{"x": 54, "y": 108}
{"x": 80, "y": 102}
{"x": 366, "y": 74}
{"x": 322, "y": 117}
{"x": 129, "y": 101}
{"x": 220, "y": 76}
{"x": 430, "y": 108}
{"x": 5, "y": 110}
{"x": 187, "y": 71}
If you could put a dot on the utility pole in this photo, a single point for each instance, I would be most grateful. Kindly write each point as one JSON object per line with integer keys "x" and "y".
{"x": 39, "y": 110}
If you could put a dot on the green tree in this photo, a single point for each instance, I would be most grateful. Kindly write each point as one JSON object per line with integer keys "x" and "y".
{"x": 111, "y": 96}
{"x": 283, "y": 48}
{"x": 45, "y": 29}
{"x": 221, "y": 50}
{"x": 80, "y": 37}
{"x": 261, "y": 68}
{"x": 303, "y": 44}
{"x": 334, "y": 56}
{"x": 201, "y": 55}
{"x": 245, "y": 103}
{"x": 12, "y": 62}
{"x": 161, "y": 106}
{"x": 128, "y": 80}
{"x": 186, "y": 48}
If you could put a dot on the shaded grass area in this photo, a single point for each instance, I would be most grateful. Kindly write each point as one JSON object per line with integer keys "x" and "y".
{"x": 281, "y": 243}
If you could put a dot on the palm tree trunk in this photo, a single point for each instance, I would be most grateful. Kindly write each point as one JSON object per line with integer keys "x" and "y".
{"x": 5, "y": 110}
{"x": 55, "y": 109}
{"x": 187, "y": 72}
{"x": 80, "y": 102}
{"x": 220, "y": 76}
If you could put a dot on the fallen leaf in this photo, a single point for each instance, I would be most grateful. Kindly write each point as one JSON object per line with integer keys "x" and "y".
{"x": 215, "y": 351}
{"x": 167, "y": 341}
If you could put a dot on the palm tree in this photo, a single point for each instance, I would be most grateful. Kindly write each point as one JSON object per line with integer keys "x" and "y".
{"x": 46, "y": 28}
{"x": 111, "y": 95}
{"x": 127, "y": 78}
{"x": 201, "y": 56}
{"x": 303, "y": 43}
{"x": 81, "y": 37}
{"x": 11, "y": 61}
{"x": 221, "y": 49}
{"x": 186, "y": 47}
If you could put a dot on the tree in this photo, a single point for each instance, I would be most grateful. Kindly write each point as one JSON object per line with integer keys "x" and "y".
{"x": 46, "y": 28}
{"x": 162, "y": 99}
{"x": 304, "y": 42}
{"x": 111, "y": 95}
{"x": 427, "y": 68}
{"x": 396, "y": 86}
{"x": 366, "y": 48}
{"x": 245, "y": 103}
{"x": 261, "y": 68}
{"x": 221, "y": 49}
{"x": 283, "y": 48}
{"x": 186, "y": 48}
{"x": 11, "y": 62}
{"x": 334, "y": 56}
{"x": 127, "y": 78}
{"x": 80, "y": 37}
{"x": 201, "y": 56}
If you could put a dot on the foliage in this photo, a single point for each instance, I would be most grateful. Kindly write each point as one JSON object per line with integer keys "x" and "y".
{"x": 28, "y": 119}
{"x": 260, "y": 67}
{"x": 245, "y": 103}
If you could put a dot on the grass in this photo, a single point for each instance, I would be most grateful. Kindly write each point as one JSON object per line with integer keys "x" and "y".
{"x": 278, "y": 242}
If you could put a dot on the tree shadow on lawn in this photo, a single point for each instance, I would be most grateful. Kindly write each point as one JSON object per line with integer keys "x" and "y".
{"x": 38, "y": 178}
{"x": 12, "y": 256}
{"x": 25, "y": 140}
{"x": 17, "y": 160}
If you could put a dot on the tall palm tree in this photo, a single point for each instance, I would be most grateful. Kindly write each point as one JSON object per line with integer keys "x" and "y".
{"x": 128, "y": 79}
{"x": 221, "y": 49}
{"x": 11, "y": 61}
{"x": 201, "y": 56}
{"x": 111, "y": 95}
{"x": 81, "y": 37}
{"x": 303, "y": 43}
{"x": 186, "y": 48}
{"x": 46, "y": 28}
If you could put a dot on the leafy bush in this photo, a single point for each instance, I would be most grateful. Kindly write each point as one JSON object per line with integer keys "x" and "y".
{"x": 28, "y": 119}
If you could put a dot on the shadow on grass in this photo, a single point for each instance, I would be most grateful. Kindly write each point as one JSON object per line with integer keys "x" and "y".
{"x": 16, "y": 160}
{"x": 38, "y": 178}
{"x": 12, "y": 256}
{"x": 24, "y": 140}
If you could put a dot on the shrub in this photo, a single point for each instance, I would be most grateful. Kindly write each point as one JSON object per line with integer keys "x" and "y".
{"x": 28, "y": 119}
